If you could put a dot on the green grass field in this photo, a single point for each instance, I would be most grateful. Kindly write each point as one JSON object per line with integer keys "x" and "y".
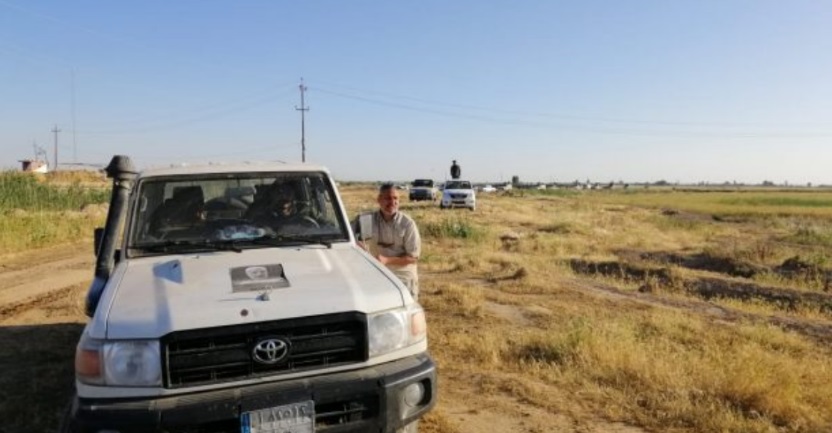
{"x": 39, "y": 211}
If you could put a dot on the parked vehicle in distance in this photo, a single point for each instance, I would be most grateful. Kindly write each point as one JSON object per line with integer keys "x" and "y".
{"x": 489, "y": 188}
{"x": 422, "y": 189}
{"x": 458, "y": 193}
{"x": 234, "y": 298}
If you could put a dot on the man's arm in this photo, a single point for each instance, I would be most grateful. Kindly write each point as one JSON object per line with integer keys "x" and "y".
{"x": 397, "y": 261}
{"x": 412, "y": 246}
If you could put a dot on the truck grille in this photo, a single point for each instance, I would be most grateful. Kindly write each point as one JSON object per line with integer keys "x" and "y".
{"x": 206, "y": 356}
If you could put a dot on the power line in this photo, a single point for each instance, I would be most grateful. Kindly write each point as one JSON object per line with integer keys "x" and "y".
{"x": 573, "y": 128}
{"x": 561, "y": 116}
{"x": 260, "y": 97}
{"x": 267, "y": 149}
{"x": 190, "y": 120}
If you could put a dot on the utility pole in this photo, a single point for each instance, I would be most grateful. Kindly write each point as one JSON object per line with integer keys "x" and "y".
{"x": 74, "y": 143}
{"x": 55, "y": 131}
{"x": 303, "y": 109}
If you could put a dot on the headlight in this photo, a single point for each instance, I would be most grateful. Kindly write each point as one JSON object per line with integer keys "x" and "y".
{"x": 119, "y": 363}
{"x": 132, "y": 363}
{"x": 396, "y": 329}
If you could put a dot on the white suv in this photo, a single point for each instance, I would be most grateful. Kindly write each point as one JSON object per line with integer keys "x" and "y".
{"x": 236, "y": 299}
{"x": 458, "y": 193}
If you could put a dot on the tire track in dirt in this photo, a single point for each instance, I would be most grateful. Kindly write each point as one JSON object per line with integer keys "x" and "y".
{"x": 26, "y": 278}
{"x": 820, "y": 332}
{"x": 53, "y": 300}
{"x": 470, "y": 407}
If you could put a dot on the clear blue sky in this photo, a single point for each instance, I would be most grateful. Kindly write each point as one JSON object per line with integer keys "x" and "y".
{"x": 687, "y": 90}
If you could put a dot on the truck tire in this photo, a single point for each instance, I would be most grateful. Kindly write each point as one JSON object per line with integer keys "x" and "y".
{"x": 410, "y": 428}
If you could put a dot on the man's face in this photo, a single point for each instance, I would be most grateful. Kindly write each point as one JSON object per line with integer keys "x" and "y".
{"x": 283, "y": 200}
{"x": 388, "y": 201}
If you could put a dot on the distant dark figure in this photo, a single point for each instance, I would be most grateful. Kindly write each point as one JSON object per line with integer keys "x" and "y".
{"x": 456, "y": 172}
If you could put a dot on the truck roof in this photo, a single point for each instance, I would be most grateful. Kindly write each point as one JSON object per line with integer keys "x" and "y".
{"x": 235, "y": 167}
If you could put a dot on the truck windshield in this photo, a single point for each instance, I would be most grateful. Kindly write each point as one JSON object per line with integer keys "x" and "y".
{"x": 176, "y": 212}
{"x": 458, "y": 184}
{"x": 422, "y": 183}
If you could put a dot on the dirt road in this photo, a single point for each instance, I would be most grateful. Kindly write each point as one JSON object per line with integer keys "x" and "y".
{"x": 41, "y": 317}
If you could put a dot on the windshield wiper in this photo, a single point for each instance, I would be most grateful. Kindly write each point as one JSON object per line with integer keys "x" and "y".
{"x": 172, "y": 245}
{"x": 278, "y": 240}
{"x": 228, "y": 245}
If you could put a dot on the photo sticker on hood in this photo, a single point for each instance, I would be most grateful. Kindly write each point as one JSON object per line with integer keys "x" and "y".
{"x": 258, "y": 278}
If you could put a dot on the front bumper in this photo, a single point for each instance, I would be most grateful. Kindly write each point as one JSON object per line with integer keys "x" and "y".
{"x": 357, "y": 401}
{"x": 421, "y": 195}
{"x": 455, "y": 202}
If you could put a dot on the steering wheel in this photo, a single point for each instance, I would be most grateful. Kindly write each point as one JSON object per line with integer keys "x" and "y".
{"x": 306, "y": 219}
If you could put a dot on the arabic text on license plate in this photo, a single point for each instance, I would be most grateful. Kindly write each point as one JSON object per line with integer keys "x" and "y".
{"x": 289, "y": 418}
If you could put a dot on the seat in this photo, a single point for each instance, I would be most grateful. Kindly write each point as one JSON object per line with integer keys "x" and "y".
{"x": 184, "y": 209}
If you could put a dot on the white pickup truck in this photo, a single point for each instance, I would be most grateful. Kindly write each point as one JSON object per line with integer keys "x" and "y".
{"x": 233, "y": 298}
{"x": 422, "y": 189}
{"x": 458, "y": 193}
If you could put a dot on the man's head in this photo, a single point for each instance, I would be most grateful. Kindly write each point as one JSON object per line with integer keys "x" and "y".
{"x": 283, "y": 199}
{"x": 388, "y": 199}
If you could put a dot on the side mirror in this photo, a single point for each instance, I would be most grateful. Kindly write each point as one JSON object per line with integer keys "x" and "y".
{"x": 98, "y": 235}
{"x": 365, "y": 227}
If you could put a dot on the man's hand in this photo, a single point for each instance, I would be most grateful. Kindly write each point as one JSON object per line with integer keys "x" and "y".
{"x": 396, "y": 261}
{"x": 361, "y": 245}
{"x": 383, "y": 259}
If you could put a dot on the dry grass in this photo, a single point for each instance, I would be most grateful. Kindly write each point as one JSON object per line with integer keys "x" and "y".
{"x": 740, "y": 203}
{"x": 511, "y": 318}
{"x": 21, "y": 230}
{"x": 507, "y": 309}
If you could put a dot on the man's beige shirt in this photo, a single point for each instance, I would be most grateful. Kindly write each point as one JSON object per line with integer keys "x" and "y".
{"x": 396, "y": 238}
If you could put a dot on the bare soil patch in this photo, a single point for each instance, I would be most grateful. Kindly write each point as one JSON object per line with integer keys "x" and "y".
{"x": 711, "y": 288}
{"x": 30, "y": 275}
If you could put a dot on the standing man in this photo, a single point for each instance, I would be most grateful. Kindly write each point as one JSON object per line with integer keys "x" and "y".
{"x": 456, "y": 170}
{"x": 395, "y": 239}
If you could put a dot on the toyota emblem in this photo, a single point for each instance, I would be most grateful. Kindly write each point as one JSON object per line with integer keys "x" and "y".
{"x": 270, "y": 351}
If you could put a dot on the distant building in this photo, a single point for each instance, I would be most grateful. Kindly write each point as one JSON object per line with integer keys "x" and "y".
{"x": 34, "y": 166}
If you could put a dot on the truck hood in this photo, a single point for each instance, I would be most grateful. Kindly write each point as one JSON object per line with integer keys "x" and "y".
{"x": 158, "y": 295}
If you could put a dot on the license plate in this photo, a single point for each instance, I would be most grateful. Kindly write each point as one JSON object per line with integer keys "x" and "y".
{"x": 289, "y": 418}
